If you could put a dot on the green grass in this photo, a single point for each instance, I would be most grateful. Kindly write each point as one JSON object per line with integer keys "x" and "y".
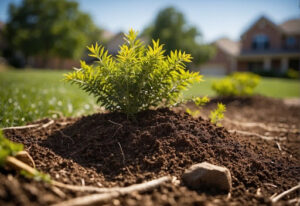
{"x": 272, "y": 87}
{"x": 28, "y": 95}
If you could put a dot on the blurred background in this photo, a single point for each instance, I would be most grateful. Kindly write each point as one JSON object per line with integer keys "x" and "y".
{"x": 41, "y": 38}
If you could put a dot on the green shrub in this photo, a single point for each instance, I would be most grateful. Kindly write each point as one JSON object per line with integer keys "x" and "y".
{"x": 138, "y": 78}
{"x": 293, "y": 74}
{"x": 237, "y": 84}
{"x": 218, "y": 114}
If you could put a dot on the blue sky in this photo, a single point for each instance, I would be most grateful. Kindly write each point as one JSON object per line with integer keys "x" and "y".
{"x": 214, "y": 18}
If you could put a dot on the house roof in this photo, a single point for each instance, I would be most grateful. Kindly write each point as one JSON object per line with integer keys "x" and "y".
{"x": 228, "y": 46}
{"x": 291, "y": 26}
{"x": 262, "y": 19}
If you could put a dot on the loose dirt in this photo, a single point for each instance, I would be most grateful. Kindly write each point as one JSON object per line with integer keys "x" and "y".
{"x": 110, "y": 150}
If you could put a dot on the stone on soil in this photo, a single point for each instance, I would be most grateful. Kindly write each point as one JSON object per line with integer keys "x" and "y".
{"x": 207, "y": 176}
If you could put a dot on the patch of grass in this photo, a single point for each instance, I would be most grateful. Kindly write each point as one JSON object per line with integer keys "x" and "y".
{"x": 28, "y": 95}
{"x": 272, "y": 87}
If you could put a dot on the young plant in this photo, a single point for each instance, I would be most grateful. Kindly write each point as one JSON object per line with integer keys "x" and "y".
{"x": 37, "y": 176}
{"x": 218, "y": 114}
{"x": 237, "y": 84}
{"x": 137, "y": 79}
{"x": 199, "y": 102}
{"x": 8, "y": 148}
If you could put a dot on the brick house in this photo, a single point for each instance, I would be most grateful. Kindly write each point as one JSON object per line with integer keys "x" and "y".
{"x": 264, "y": 47}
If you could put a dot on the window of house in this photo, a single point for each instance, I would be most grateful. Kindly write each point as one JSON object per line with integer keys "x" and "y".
{"x": 260, "y": 42}
{"x": 290, "y": 41}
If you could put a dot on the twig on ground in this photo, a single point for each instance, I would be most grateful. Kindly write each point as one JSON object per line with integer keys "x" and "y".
{"x": 122, "y": 153}
{"x": 64, "y": 135}
{"x": 123, "y": 159}
{"x": 19, "y": 165}
{"x": 48, "y": 124}
{"x": 295, "y": 200}
{"x": 262, "y": 126}
{"x": 63, "y": 123}
{"x": 279, "y": 147}
{"x": 115, "y": 123}
{"x": 256, "y": 135}
{"x": 98, "y": 198}
{"x": 274, "y": 195}
{"x": 281, "y": 195}
{"x": 270, "y": 184}
{"x": 120, "y": 126}
{"x": 21, "y": 127}
{"x": 58, "y": 192}
{"x": 30, "y": 126}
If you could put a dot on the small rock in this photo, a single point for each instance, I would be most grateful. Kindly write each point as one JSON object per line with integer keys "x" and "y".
{"x": 206, "y": 175}
{"x": 26, "y": 158}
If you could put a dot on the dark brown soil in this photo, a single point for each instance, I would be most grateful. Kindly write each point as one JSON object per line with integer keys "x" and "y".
{"x": 110, "y": 150}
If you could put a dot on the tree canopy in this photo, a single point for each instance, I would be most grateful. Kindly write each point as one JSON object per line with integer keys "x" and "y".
{"x": 49, "y": 28}
{"x": 170, "y": 26}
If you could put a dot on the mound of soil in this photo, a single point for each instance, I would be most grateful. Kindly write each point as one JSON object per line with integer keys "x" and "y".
{"x": 111, "y": 150}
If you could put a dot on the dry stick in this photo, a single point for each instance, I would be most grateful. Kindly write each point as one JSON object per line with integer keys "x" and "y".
{"x": 124, "y": 160}
{"x": 295, "y": 200}
{"x": 19, "y": 165}
{"x": 98, "y": 198}
{"x": 21, "y": 127}
{"x": 261, "y": 125}
{"x": 48, "y": 124}
{"x": 256, "y": 135}
{"x": 281, "y": 195}
{"x": 30, "y": 126}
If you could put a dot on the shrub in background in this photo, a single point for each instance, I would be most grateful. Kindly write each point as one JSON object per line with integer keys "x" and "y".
{"x": 237, "y": 84}
{"x": 138, "y": 78}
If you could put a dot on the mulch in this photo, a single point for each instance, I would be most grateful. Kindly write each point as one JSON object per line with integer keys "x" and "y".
{"x": 108, "y": 149}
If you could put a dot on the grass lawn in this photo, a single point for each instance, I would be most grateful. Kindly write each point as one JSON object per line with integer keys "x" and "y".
{"x": 28, "y": 95}
{"x": 272, "y": 87}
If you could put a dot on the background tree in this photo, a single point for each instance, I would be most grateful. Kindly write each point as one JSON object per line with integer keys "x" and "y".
{"x": 49, "y": 28}
{"x": 173, "y": 31}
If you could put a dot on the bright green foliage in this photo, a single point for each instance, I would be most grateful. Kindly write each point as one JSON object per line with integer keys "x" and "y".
{"x": 8, "y": 148}
{"x": 137, "y": 78}
{"x": 200, "y": 102}
{"x": 237, "y": 84}
{"x": 218, "y": 114}
{"x": 29, "y": 95}
{"x": 38, "y": 176}
{"x": 49, "y": 28}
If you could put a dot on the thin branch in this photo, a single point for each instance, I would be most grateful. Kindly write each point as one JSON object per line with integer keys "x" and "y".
{"x": 256, "y": 135}
{"x": 30, "y": 126}
{"x": 98, "y": 198}
{"x": 21, "y": 127}
{"x": 281, "y": 195}
{"x": 262, "y": 126}
{"x": 48, "y": 124}
{"x": 123, "y": 159}
{"x": 19, "y": 165}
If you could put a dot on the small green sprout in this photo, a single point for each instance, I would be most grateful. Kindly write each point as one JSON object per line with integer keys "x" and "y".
{"x": 199, "y": 102}
{"x": 8, "y": 148}
{"x": 38, "y": 176}
{"x": 218, "y": 114}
